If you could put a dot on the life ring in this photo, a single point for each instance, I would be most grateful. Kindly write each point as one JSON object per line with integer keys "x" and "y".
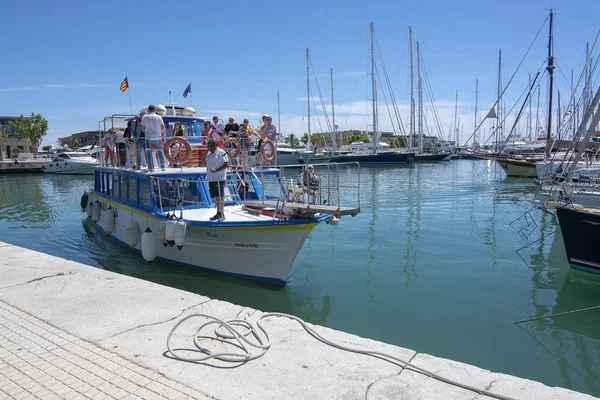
{"x": 270, "y": 156}
{"x": 177, "y": 150}
{"x": 236, "y": 145}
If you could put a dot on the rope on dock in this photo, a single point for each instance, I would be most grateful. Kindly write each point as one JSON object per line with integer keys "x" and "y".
{"x": 557, "y": 314}
{"x": 233, "y": 337}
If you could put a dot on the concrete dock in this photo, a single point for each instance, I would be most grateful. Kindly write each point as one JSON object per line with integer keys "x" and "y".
{"x": 68, "y": 330}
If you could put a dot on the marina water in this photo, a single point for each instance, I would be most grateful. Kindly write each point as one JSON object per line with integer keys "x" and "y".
{"x": 442, "y": 259}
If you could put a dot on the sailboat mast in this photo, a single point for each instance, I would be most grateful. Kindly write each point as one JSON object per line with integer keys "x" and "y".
{"x": 334, "y": 135}
{"x": 374, "y": 90}
{"x": 558, "y": 114}
{"x": 420, "y": 94}
{"x": 550, "y": 69}
{"x": 498, "y": 115}
{"x": 308, "y": 144}
{"x": 455, "y": 115}
{"x": 476, "y": 137}
{"x": 278, "y": 113}
{"x": 412, "y": 92}
{"x": 529, "y": 126}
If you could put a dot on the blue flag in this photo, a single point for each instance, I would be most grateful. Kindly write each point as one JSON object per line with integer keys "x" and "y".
{"x": 187, "y": 90}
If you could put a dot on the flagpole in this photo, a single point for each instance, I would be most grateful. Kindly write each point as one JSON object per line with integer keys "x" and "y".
{"x": 129, "y": 94}
{"x": 191, "y": 96}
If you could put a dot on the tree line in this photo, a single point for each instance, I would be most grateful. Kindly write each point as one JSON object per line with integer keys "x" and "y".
{"x": 324, "y": 140}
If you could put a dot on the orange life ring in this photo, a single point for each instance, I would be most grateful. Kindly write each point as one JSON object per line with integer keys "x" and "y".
{"x": 270, "y": 156}
{"x": 181, "y": 154}
{"x": 236, "y": 144}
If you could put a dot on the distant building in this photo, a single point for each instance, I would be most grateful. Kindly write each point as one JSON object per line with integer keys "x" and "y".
{"x": 79, "y": 139}
{"x": 10, "y": 145}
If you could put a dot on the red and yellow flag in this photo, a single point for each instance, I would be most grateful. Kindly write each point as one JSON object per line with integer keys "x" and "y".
{"x": 124, "y": 85}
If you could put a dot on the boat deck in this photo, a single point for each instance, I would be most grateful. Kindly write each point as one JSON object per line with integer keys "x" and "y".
{"x": 303, "y": 209}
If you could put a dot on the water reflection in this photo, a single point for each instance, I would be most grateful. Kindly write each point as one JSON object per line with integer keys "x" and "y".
{"x": 421, "y": 249}
{"x": 571, "y": 339}
{"x": 23, "y": 204}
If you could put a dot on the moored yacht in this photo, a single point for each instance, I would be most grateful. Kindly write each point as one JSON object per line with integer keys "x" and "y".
{"x": 71, "y": 163}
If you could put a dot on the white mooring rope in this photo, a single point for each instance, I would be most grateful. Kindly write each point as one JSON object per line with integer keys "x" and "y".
{"x": 264, "y": 343}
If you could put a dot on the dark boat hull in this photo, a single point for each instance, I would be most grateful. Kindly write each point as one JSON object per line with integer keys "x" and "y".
{"x": 381, "y": 158}
{"x": 580, "y": 231}
{"x": 432, "y": 157}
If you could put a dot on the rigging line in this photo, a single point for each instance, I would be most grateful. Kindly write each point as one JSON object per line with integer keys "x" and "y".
{"x": 320, "y": 99}
{"x": 513, "y": 75}
{"x": 506, "y": 115}
{"x": 581, "y": 75}
{"x": 391, "y": 90}
{"x": 537, "y": 75}
{"x": 429, "y": 90}
{"x": 356, "y": 80}
{"x": 558, "y": 314}
{"x": 387, "y": 107}
{"x": 325, "y": 114}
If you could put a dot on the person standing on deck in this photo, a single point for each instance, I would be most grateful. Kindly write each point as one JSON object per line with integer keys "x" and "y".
{"x": 154, "y": 128}
{"x": 216, "y": 168}
{"x": 140, "y": 142}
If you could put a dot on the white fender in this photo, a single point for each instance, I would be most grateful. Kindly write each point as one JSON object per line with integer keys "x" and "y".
{"x": 131, "y": 233}
{"x": 109, "y": 221}
{"x": 96, "y": 211}
{"x": 180, "y": 228}
{"x": 163, "y": 231}
{"x": 148, "y": 245}
{"x": 170, "y": 230}
{"x": 333, "y": 220}
{"x": 89, "y": 209}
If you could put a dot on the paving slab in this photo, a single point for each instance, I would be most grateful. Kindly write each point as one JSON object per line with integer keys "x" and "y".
{"x": 71, "y": 330}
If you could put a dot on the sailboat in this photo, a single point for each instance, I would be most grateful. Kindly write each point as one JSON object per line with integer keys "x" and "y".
{"x": 374, "y": 152}
{"x": 580, "y": 225}
{"x": 520, "y": 160}
{"x": 420, "y": 156}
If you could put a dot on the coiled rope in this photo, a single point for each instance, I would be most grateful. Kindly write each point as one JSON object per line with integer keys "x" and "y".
{"x": 228, "y": 331}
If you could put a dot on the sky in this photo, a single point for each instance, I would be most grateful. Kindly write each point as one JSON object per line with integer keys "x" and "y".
{"x": 66, "y": 59}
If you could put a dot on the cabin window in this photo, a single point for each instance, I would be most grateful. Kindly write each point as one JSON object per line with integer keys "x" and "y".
{"x": 107, "y": 182}
{"x": 133, "y": 192}
{"x": 116, "y": 186}
{"x": 64, "y": 156}
{"x": 123, "y": 186}
{"x": 145, "y": 199}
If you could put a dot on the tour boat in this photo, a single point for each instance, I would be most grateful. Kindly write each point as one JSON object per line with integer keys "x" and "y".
{"x": 167, "y": 214}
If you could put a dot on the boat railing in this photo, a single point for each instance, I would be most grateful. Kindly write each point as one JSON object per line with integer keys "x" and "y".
{"x": 338, "y": 185}
{"x": 177, "y": 193}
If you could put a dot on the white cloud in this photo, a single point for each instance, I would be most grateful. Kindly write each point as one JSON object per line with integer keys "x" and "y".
{"x": 19, "y": 89}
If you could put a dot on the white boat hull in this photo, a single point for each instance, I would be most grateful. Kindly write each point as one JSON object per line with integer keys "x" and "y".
{"x": 70, "y": 168}
{"x": 518, "y": 168}
{"x": 261, "y": 253}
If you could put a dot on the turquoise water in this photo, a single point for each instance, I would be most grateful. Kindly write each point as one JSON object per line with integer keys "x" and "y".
{"x": 442, "y": 259}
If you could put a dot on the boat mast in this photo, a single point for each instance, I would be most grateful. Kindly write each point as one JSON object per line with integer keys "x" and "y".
{"x": 374, "y": 90}
{"x": 278, "y": 114}
{"x": 550, "y": 69}
{"x": 476, "y": 136}
{"x": 498, "y": 115}
{"x": 334, "y": 136}
{"x": 558, "y": 114}
{"x": 529, "y": 126}
{"x": 412, "y": 92}
{"x": 455, "y": 115}
{"x": 308, "y": 144}
{"x": 420, "y": 94}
